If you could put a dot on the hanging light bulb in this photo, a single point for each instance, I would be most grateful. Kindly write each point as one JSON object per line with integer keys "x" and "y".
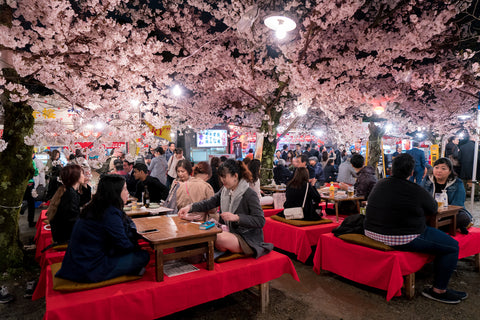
{"x": 280, "y": 34}
{"x": 378, "y": 110}
{"x": 177, "y": 90}
{"x": 280, "y": 24}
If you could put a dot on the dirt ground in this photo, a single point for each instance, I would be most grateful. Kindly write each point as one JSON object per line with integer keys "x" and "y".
{"x": 325, "y": 296}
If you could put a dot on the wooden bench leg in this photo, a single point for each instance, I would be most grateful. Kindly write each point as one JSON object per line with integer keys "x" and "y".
{"x": 264, "y": 296}
{"x": 477, "y": 262}
{"x": 409, "y": 284}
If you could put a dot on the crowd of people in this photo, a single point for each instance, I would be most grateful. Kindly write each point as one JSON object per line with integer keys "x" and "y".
{"x": 102, "y": 239}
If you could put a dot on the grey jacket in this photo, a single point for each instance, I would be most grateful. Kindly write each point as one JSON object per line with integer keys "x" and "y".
{"x": 251, "y": 222}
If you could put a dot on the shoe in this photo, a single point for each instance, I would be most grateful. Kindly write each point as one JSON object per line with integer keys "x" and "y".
{"x": 446, "y": 297}
{"x": 5, "y": 297}
{"x": 30, "y": 289}
{"x": 460, "y": 294}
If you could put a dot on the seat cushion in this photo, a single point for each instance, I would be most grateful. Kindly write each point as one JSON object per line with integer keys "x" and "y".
{"x": 300, "y": 223}
{"x": 365, "y": 241}
{"x": 60, "y": 284}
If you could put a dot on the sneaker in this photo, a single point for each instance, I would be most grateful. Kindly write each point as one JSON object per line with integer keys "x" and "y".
{"x": 460, "y": 294}
{"x": 30, "y": 289}
{"x": 5, "y": 297}
{"x": 446, "y": 297}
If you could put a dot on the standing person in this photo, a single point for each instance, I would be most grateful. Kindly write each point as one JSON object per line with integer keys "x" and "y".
{"x": 129, "y": 178}
{"x": 278, "y": 156}
{"x": 295, "y": 193}
{"x": 346, "y": 172}
{"x": 172, "y": 164}
{"x": 398, "y": 151}
{"x": 195, "y": 189}
{"x": 443, "y": 178}
{"x": 170, "y": 151}
{"x": 240, "y": 212}
{"x": 158, "y": 167}
{"x": 156, "y": 189}
{"x": 314, "y": 151}
{"x": 298, "y": 150}
{"x": 29, "y": 197}
{"x": 451, "y": 152}
{"x": 285, "y": 152}
{"x": 419, "y": 157}
{"x": 396, "y": 214}
{"x": 214, "y": 180}
{"x": 466, "y": 157}
{"x": 103, "y": 244}
{"x": 308, "y": 150}
{"x": 65, "y": 205}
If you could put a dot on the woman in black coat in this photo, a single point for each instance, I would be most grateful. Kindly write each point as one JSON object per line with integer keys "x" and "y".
{"x": 295, "y": 193}
{"x": 330, "y": 171}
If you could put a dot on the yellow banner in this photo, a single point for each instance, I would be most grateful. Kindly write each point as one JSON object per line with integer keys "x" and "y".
{"x": 163, "y": 132}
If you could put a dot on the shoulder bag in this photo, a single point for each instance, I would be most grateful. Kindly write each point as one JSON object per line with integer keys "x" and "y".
{"x": 295, "y": 212}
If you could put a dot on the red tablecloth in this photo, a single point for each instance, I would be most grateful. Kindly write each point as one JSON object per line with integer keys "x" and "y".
{"x": 47, "y": 258}
{"x": 271, "y": 212}
{"x": 298, "y": 240}
{"x": 43, "y": 238}
{"x": 147, "y": 299}
{"x": 379, "y": 269}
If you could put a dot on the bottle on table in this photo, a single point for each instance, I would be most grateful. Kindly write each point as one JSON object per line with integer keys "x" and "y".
{"x": 146, "y": 197}
{"x": 331, "y": 190}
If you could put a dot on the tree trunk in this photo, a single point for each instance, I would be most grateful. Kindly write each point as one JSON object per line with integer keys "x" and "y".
{"x": 269, "y": 145}
{"x": 15, "y": 171}
{"x": 374, "y": 145}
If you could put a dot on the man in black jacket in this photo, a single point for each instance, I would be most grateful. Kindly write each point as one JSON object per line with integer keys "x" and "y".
{"x": 156, "y": 189}
{"x": 395, "y": 215}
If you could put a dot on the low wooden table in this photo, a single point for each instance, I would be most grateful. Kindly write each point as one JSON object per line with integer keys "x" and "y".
{"x": 336, "y": 200}
{"x": 273, "y": 189}
{"x": 445, "y": 217}
{"x": 173, "y": 232}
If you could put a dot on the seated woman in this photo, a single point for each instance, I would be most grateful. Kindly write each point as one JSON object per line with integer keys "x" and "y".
{"x": 444, "y": 178}
{"x": 295, "y": 193}
{"x": 254, "y": 167}
{"x": 65, "y": 205}
{"x": 104, "y": 240}
{"x": 240, "y": 211}
{"x": 195, "y": 189}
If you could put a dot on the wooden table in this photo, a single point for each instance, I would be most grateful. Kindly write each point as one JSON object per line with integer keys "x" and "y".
{"x": 147, "y": 211}
{"x": 445, "y": 217}
{"x": 173, "y": 232}
{"x": 273, "y": 189}
{"x": 336, "y": 200}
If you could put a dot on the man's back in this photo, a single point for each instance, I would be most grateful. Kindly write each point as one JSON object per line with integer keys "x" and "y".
{"x": 346, "y": 173}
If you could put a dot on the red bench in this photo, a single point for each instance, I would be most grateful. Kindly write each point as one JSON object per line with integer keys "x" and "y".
{"x": 147, "y": 299}
{"x": 382, "y": 269}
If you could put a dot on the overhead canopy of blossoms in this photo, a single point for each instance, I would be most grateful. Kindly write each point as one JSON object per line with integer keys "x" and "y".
{"x": 117, "y": 61}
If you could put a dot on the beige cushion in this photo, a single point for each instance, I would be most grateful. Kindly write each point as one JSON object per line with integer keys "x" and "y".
{"x": 300, "y": 223}
{"x": 230, "y": 256}
{"x": 60, "y": 284}
{"x": 365, "y": 241}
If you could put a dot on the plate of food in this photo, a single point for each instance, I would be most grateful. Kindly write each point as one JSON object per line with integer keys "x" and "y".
{"x": 154, "y": 205}
{"x": 125, "y": 208}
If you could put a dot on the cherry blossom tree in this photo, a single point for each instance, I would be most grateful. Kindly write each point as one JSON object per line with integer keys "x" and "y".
{"x": 116, "y": 61}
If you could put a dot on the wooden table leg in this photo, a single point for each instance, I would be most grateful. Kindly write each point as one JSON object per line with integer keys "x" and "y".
{"x": 210, "y": 261}
{"x": 336, "y": 209}
{"x": 477, "y": 262}
{"x": 409, "y": 284}
{"x": 264, "y": 296}
{"x": 159, "y": 264}
{"x": 453, "y": 227}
